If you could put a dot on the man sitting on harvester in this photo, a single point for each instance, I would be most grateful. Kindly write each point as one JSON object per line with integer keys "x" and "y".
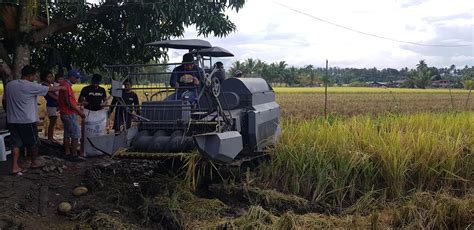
{"x": 186, "y": 78}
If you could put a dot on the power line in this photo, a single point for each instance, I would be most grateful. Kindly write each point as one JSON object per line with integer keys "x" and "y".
{"x": 365, "y": 33}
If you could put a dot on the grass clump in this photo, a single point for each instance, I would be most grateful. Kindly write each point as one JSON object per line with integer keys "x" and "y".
{"x": 255, "y": 218}
{"x": 435, "y": 211}
{"x": 270, "y": 199}
{"x": 258, "y": 218}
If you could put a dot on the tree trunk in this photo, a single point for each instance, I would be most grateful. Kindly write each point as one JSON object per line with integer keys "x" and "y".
{"x": 22, "y": 55}
{"x": 5, "y": 72}
{"x": 22, "y": 58}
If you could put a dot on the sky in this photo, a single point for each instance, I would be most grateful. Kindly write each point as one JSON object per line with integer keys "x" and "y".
{"x": 268, "y": 30}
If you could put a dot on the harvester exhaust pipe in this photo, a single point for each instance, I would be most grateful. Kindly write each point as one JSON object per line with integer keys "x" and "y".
{"x": 223, "y": 147}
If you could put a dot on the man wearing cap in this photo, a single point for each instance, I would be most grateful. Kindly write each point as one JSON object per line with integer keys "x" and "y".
{"x": 238, "y": 74}
{"x": 220, "y": 71}
{"x": 22, "y": 115}
{"x": 69, "y": 110}
{"x": 93, "y": 96}
{"x": 186, "y": 78}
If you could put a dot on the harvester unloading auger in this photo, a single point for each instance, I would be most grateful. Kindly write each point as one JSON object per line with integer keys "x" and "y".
{"x": 237, "y": 117}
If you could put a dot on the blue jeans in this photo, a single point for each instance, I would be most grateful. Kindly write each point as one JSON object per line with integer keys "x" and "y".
{"x": 71, "y": 126}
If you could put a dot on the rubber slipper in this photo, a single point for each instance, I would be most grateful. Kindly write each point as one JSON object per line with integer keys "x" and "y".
{"x": 19, "y": 173}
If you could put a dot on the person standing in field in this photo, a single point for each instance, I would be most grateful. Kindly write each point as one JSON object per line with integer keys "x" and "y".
{"x": 22, "y": 115}
{"x": 51, "y": 103}
{"x": 93, "y": 96}
{"x": 69, "y": 110}
{"x": 123, "y": 115}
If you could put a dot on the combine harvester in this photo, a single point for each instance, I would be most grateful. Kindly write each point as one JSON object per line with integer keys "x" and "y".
{"x": 230, "y": 120}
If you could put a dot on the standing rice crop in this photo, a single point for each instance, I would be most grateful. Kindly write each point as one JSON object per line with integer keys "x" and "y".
{"x": 340, "y": 160}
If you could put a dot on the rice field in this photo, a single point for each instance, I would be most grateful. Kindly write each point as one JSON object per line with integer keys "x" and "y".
{"x": 383, "y": 158}
{"x": 365, "y": 90}
{"x": 376, "y": 151}
{"x": 340, "y": 160}
{"x": 307, "y": 106}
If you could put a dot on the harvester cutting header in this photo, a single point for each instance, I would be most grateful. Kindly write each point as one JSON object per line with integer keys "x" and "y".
{"x": 192, "y": 107}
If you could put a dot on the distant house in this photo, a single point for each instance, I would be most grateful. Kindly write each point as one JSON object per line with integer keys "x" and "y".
{"x": 317, "y": 83}
{"x": 441, "y": 84}
{"x": 396, "y": 84}
{"x": 376, "y": 84}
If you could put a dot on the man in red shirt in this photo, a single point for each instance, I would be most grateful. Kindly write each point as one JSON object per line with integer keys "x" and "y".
{"x": 69, "y": 110}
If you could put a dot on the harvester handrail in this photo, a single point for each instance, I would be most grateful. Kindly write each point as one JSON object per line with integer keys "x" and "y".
{"x": 161, "y": 87}
{"x": 194, "y": 122}
{"x": 153, "y": 73}
{"x": 146, "y": 65}
{"x": 164, "y": 108}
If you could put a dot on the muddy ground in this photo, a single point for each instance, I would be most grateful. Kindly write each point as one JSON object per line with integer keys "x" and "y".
{"x": 187, "y": 192}
{"x": 173, "y": 193}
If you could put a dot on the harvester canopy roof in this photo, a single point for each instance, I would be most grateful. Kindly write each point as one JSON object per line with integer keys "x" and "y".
{"x": 188, "y": 44}
{"x": 215, "y": 51}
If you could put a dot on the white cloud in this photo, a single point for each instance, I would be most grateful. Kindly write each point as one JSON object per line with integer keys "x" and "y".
{"x": 270, "y": 32}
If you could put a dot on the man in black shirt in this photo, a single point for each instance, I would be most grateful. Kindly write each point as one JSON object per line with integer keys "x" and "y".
{"x": 123, "y": 115}
{"x": 220, "y": 71}
{"x": 92, "y": 96}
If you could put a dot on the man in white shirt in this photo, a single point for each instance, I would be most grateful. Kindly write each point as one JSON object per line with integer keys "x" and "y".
{"x": 22, "y": 115}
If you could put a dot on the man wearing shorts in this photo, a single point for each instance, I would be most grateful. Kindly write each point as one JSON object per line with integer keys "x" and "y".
{"x": 22, "y": 115}
{"x": 69, "y": 110}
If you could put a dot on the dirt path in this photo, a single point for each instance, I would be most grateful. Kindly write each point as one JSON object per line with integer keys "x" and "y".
{"x": 20, "y": 195}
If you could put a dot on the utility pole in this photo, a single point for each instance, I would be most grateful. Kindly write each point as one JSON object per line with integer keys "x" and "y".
{"x": 326, "y": 81}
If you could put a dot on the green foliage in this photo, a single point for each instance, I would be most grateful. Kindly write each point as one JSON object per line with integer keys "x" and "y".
{"x": 279, "y": 73}
{"x": 112, "y": 32}
{"x": 468, "y": 84}
{"x": 421, "y": 76}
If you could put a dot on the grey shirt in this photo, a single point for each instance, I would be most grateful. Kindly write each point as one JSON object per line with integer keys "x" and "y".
{"x": 22, "y": 106}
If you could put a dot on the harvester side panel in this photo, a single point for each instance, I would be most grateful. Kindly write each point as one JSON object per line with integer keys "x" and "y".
{"x": 263, "y": 125}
